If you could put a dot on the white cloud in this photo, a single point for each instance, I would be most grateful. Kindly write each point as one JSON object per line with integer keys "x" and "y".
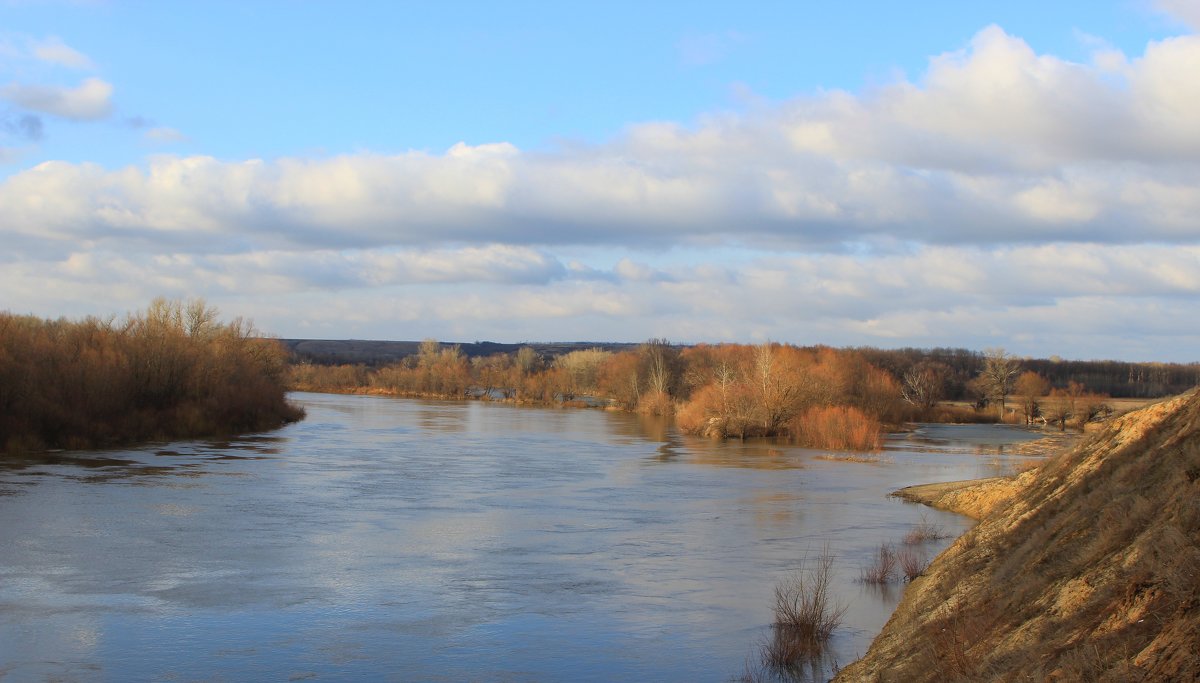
{"x": 1048, "y": 295}
{"x": 54, "y": 51}
{"x": 1185, "y": 11}
{"x": 89, "y": 101}
{"x": 164, "y": 135}
{"x": 996, "y": 144}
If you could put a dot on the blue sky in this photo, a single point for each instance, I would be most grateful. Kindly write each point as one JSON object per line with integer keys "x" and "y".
{"x": 1012, "y": 174}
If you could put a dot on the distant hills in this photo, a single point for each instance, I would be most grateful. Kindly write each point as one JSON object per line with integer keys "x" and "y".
{"x": 356, "y": 351}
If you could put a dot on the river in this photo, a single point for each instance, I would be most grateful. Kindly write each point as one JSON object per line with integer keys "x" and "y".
{"x": 393, "y": 539}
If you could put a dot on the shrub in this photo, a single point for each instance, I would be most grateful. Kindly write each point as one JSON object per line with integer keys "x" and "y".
{"x": 912, "y": 563}
{"x": 805, "y": 617}
{"x": 883, "y": 568}
{"x": 836, "y": 428}
{"x": 656, "y": 403}
{"x": 171, "y": 371}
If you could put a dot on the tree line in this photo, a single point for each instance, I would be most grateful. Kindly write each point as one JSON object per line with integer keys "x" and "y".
{"x": 817, "y": 396}
{"x": 171, "y": 371}
{"x": 1117, "y": 379}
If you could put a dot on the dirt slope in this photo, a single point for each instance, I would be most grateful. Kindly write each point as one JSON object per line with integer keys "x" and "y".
{"x": 973, "y": 498}
{"x": 1090, "y": 571}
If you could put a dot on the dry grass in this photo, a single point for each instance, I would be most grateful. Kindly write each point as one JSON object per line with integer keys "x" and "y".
{"x": 912, "y": 563}
{"x": 882, "y": 569}
{"x": 959, "y": 413}
{"x": 955, "y": 647}
{"x": 867, "y": 458}
{"x": 1088, "y": 573}
{"x": 925, "y": 531}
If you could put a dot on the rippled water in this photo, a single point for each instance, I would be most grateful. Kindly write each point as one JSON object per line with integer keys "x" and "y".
{"x": 388, "y": 539}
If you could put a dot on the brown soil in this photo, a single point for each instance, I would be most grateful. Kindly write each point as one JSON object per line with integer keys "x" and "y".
{"x": 1086, "y": 569}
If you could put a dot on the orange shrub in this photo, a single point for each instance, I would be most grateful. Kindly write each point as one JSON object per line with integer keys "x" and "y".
{"x": 836, "y": 428}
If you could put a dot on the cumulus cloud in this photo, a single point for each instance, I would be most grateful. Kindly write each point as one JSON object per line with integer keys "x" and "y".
{"x": 1040, "y": 299}
{"x": 89, "y": 101}
{"x": 995, "y": 144}
{"x": 1003, "y": 190}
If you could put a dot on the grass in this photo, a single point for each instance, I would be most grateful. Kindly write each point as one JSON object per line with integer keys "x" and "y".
{"x": 912, "y": 563}
{"x": 854, "y": 457}
{"x": 924, "y": 532}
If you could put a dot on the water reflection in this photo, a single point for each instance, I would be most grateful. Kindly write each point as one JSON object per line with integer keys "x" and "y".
{"x": 393, "y": 539}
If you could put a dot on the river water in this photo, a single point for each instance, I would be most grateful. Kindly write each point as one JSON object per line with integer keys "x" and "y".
{"x": 392, "y": 539}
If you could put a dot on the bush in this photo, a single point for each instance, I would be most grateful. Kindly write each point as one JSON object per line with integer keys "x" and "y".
{"x": 836, "y": 428}
{"x": 883, "y": 569}
{"x": 171, "y": 371}
{"x": 805, "y": 617}
{"x": 912, "y": 563}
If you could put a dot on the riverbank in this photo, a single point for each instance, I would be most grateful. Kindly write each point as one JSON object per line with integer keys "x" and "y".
{"x": 171, "y": 371}
{"x": 1087, "y": 568}
{"x": 975, "y": 498}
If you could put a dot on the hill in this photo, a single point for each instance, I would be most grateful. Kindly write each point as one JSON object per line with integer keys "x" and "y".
{"x": 1089, "y": 570}
{"x": 376, "y": 353}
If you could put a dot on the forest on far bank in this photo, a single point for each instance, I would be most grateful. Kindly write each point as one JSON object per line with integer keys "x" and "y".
{"x": 1116, "y": 379}
{"x": 816, "y": 396}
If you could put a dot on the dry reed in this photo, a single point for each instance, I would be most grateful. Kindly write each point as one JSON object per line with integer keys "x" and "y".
{"x": 838, "y": 428}
{"x": 882, "y": 569}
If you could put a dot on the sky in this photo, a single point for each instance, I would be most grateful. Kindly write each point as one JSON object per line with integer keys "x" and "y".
{"x": 1019, "y": 175}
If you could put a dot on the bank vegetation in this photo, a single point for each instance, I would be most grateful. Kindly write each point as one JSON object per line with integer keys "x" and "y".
{"x": 821, "y": 397}
{"x": 174, "y": 370}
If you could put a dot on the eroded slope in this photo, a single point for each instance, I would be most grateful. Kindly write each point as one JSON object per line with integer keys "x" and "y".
{"x": 1090, "y": 572}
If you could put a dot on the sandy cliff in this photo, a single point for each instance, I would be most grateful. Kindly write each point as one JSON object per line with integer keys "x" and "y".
{"x": 1085, "y": 570}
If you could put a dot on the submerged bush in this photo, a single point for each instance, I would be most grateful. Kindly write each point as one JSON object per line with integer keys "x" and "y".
{"x": 883, "y": 568}
{"x": 805, "y": 616}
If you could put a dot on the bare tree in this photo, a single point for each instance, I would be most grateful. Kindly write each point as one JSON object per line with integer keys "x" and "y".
{"x": 924, "y": 384}
{"x": 1000, "y": 370}
{"x": 427, "y": 352}
{"x": 1030, "y": 387}
{"x": 660, "y": 361}
{"x": 527, "y": 360}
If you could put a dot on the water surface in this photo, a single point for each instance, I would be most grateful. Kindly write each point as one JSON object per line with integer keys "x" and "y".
{"x": 391, "y": 539}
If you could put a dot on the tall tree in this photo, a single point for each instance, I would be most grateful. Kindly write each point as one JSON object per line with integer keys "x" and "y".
{"x": 1000, "y": 370}
{"x": 924, "y": 383}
